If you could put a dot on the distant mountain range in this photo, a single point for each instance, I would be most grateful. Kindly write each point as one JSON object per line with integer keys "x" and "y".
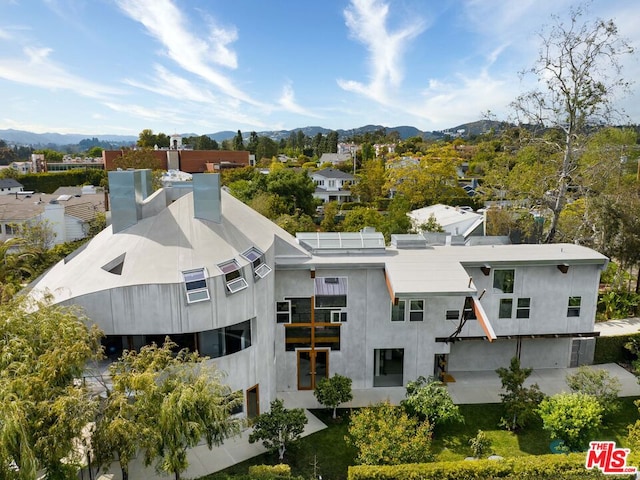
{"x": 21, "y": 137}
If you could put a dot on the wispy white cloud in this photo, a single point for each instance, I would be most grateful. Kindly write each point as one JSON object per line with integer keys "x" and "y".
{"x": 288, "y": 102}
{"x": 166, "y": 23}
{"x": 168, "y": 84}
{"x": 35, "y": 68}
{"x": 367, "y": 23}
{"x": 463, "y": 99}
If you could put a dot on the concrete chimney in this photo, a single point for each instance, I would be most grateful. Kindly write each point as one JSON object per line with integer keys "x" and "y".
{"x": 127, "y": 191}
{"x": 206, "y": 197}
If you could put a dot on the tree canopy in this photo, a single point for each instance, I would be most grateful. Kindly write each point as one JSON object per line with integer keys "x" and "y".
{"x": 44, "y": 405}
{"x": 178, "y": 400}
{"x": 278, "y": 428}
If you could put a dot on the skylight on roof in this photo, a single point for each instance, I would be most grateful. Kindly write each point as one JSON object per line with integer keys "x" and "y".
{"x": 319, "y": 241}
{"x": 256, "y": 257}
{"x": 195, "y": 282}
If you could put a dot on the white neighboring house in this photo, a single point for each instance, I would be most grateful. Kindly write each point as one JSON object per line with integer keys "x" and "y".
{"x": 454, "y": 220}
{"x": 9, "y": 186}
{"x": 333, "y": 185}
{"x": 68, "y": 214}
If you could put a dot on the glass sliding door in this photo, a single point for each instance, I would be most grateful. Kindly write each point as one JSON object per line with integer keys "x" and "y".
{"x": 312, "y": 366}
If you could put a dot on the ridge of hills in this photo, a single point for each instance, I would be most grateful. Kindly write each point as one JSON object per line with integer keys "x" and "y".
{"x": 23, "y": 137}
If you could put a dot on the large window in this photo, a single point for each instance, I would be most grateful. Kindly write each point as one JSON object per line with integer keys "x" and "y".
{"x": 307, "y": 327}
{"x": 212, "y": 343}
{"x": 412, "y": 310}
{"x": 388, "y": 367}
{"x": 234, "y": 281}
{"x": 503, "y": 281}
{"x": 195, "y": 282}
{"x": 256, "y": 257}
{"x": 331, "y": 292}
{"x": 573, "y": 309}
{"x": 225, "y": 341}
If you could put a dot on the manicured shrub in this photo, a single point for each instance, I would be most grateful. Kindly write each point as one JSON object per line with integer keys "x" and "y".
{"x": 541, "y": 467}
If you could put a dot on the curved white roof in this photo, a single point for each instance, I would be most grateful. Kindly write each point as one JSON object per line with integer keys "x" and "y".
{"x": 159, "y": 248}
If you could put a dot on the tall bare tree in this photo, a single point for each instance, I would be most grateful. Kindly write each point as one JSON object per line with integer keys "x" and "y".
{"x": 579, "y": 72}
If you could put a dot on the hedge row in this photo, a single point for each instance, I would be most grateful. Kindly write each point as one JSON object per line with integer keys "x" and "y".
{"x": 539, "y": 467}
{"x": 611, "y": 349}
{"x": 50, "y": 182}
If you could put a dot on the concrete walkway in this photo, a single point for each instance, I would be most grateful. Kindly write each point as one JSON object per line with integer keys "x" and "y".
{"x": 203, "y": 461}
{"x": 612, "y": 328}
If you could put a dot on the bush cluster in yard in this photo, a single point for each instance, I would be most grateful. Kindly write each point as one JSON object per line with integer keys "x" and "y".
{"x": 542, "y": 467}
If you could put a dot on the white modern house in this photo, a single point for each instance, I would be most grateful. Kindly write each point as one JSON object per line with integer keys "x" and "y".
{"x": 333, "y": 185}
{"x": 454, "y": 220}
{"x": 278, "y": 312}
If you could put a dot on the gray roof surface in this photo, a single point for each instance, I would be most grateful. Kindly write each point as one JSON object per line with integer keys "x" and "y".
{"x": 334, "y": 173}
{"x": 9, "y": 183}
{"x": 159, "y": 248}
{"x": 18, "y": 208}
{"x": 441, "y": 269}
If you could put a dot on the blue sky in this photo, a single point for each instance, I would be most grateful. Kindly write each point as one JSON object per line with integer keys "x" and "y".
{"x": 201, "y": 66}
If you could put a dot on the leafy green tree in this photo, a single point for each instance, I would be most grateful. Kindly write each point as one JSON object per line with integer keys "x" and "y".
{"x": 433, "y": 180}
{"x": 579, "y": 67}
{"x": 480, "y": 444}
{"x": 571, "y": 417}
{"x": 238, "y": 142}
{"x": 431, "y": 225}
{"x": 295, "y": 188}
{"x": 179, "y": 399}
{"x": 266, "y": 148}
{"x": 95, "y": 152}
{"x": 428, "y": 398}
{"x": 268, "y": 204}
{"x": 51, "y": 156}
{"x": 331, "y": 392}
{"x": 328, "y": 223}
{"x": 359, "y": 217}
{"x": 15, "y": 267}
{"x": 252, "y": 145}
{"x": 37, "y": 235}
{"x": 519, "y": 402}
{"x": 372, "y": 183}
{"x": 279, "y": 428}
{"x": 146, "y": 139}
{"x": 598, "y": 383}
{"x": 296, "y": 223}
{"x": 386, "y": 435}
{"x": 395, "y": 219}
{"x": 120, "y": 431}
{"x": 619, "y": 228}
{"x": 43, "y": 405}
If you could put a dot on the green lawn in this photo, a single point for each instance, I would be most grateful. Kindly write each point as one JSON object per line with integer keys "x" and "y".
{"x": 331, "y": 456}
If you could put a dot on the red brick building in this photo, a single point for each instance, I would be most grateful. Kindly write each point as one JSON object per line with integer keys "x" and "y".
{"x": 190, "y": 161}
